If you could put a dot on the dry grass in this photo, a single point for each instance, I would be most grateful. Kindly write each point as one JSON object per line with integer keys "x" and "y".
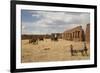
{"x": 48, "y": 50}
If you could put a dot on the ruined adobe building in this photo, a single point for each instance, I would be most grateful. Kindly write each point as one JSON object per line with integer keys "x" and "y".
{"x": 77, "y": 34}
{"x": 87, "y": 33}
{"x": 59, "y": 35}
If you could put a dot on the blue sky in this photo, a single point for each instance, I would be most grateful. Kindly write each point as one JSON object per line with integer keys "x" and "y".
{"x": 47, "y": 22}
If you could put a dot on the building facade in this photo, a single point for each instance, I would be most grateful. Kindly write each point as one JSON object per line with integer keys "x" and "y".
{"x": 75, "y": 34}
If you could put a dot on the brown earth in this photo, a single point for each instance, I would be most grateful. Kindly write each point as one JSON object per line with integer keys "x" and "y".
{"x": 48, "y": 50}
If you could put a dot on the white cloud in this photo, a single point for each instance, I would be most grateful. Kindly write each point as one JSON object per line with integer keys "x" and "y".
{"x": 55, "y": 21}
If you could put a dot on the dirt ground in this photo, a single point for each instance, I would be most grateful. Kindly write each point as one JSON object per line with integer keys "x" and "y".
{"x": 48, "y": 50}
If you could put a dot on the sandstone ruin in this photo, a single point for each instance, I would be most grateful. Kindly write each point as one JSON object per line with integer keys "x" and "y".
{"x": 77, "y": 34}
{"x": 74, "y": 34}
